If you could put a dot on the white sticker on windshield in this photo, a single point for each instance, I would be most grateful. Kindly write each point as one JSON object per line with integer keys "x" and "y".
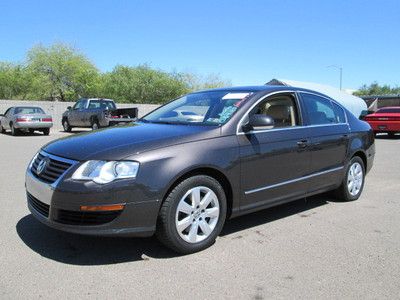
{"x": 231, "y": 96}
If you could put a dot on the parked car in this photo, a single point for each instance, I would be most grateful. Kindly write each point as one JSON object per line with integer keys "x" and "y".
{"x": 96, "y": 113}
{"x": 25, "y": 119}
{"x": 254, "y": 148}
{"x": 386, "y": 120}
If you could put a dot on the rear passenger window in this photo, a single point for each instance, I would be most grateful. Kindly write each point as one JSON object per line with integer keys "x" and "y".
{"x": 319, "y": 110}
{"x": 339, "y": 113}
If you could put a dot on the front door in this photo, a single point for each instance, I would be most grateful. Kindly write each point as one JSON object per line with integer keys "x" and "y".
{"x": 274, "y": 162}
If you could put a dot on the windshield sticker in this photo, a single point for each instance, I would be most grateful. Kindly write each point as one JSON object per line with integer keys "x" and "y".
{"x": 238, "y": 96}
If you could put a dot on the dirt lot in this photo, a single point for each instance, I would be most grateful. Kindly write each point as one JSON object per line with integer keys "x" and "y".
{"x": 313, "y": 248}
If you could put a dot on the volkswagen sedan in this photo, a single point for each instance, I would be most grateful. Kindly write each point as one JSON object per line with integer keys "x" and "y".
{"x": 252, "y": 148}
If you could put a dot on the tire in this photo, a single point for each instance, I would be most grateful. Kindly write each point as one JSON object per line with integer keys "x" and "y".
{"x": 95, "y": 124}
{"x": 355, "y": 174}
{"x": 186, "y": 228}
{"x": 66, "y": 126}
{"x": 2, "y": 130}
{"x": 46, "y": 131}
{"x": 14, "y": 131}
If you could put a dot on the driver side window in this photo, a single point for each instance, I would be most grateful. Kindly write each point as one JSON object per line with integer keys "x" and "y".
{"x": 281, "y": 108}
{"x": 80, "y": 104}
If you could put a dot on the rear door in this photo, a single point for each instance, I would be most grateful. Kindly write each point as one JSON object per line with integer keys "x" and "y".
{"x": 274, "y": 162}
{"x": 328, "y": 132}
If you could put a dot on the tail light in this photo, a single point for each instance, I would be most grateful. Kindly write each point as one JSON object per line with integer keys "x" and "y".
{"x": 22, "y": 120}
{"x": 47, "y": 120}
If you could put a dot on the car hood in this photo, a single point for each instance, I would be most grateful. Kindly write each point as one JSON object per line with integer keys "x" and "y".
{"x": 117, "y": 143}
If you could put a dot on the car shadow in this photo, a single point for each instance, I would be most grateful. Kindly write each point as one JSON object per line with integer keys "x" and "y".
{"x": 275, "y": 213}
{"x": 89, "y": 250}
{"x": 23, "y": 134}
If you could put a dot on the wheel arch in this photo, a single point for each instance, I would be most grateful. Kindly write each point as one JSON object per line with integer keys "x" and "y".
{"x": 208, "y": 171}
{"x": 362, "y": 155}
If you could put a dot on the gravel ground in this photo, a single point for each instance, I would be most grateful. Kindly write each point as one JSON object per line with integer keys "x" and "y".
{"x": 311, "y": 248}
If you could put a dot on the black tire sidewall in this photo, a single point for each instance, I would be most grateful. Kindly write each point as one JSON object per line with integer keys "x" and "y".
{"x": 175, "y": 196}
{"x": 68, "y": 129}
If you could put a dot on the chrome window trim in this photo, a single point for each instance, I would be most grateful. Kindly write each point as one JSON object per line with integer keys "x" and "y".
{"x": 292, "y": 181}
{"x": 239, "y": 132}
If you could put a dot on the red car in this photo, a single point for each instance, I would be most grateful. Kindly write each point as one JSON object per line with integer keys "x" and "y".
{"x": 386, "y": 119}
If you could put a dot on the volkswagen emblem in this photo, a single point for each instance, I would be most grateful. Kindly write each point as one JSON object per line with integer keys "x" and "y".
{"x": 42, "y": 165}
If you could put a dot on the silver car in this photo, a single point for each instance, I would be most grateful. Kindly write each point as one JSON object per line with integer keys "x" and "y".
{"x": 25, "y": 118}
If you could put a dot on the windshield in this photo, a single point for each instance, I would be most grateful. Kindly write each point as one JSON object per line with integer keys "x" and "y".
{"x": 206, "y": 108}
{"x": 28, "y": 110}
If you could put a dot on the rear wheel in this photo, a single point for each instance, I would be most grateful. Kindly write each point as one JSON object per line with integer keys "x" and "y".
{"x": 2, "y": 130}
{"x": 14, "y": 131}
{"x": 66, "y": 126}
{"x": 95, "y": 124}
{"x": 192, "y": 215}
{"x": 353, "y": 181}
{"x": 46, "y": 131}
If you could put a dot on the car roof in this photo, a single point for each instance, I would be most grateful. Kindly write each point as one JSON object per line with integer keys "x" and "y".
{"x": 260, "y": 88}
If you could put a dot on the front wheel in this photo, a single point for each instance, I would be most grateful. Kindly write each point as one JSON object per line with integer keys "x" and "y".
{"x": 66, "y": 126}
{"x": 353, "y": 181}
{"x": 192, "y": 215}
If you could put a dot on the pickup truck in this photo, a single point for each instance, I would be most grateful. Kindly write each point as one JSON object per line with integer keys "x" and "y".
{"x": 96, "y": 113}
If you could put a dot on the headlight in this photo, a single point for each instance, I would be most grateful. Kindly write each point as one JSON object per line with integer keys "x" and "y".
{"x": 106, "y": 171}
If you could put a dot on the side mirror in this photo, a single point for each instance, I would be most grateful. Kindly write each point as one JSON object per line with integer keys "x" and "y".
{"x": 69, "y": 107}
{"x": 259, "y": 122}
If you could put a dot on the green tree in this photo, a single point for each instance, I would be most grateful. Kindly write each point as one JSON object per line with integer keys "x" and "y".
{"x": 197, "y": 82}
{"x": 142, "y": 84}
{"x": 63, "y": 72}
{"x": 15, "y": 81}
{"x": 376, "y": 89}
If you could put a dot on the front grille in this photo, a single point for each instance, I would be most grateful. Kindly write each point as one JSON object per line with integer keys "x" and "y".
{"x": 53, "y": 169}
{"x": 39, "y": 206}
{"x": 84, "y": 218}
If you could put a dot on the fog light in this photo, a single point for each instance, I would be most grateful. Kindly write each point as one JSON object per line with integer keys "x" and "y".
{"x": 114, "y": 207}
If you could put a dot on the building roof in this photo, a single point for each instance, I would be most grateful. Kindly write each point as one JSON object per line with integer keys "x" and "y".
{"x": 353, "y": 103}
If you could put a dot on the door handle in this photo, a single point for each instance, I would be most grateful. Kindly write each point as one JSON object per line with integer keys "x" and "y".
{"x": 302, "y": 143}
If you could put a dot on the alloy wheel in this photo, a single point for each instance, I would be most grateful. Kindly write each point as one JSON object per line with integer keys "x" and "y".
{"x": 355, "y": 179}
{"x": 197, "y": 214}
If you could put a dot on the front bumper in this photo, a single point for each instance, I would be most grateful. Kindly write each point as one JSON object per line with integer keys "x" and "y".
{"x": 33, "y": 125}
{"x": 60, "y": 209}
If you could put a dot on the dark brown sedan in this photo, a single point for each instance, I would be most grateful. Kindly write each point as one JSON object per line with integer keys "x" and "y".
{"x": 181, "y": 175}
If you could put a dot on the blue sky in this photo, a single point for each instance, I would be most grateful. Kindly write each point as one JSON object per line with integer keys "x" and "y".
{"x": 248, "y": 42}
